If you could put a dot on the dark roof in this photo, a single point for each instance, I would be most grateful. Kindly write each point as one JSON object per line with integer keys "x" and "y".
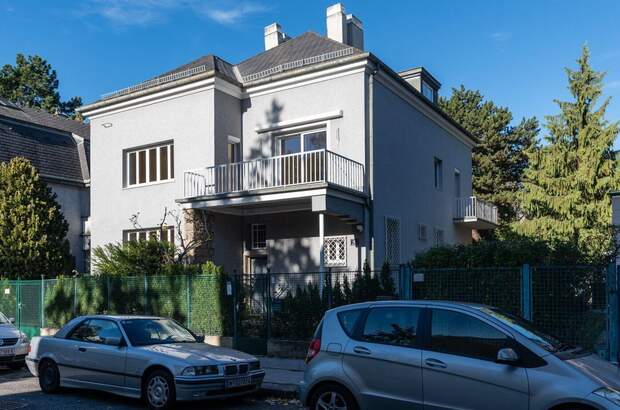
{"x": 306, "y": 45}
{"x": 211, "y": 62}
{"x": 54, "y": 154}
{"x": 42, "y": 118}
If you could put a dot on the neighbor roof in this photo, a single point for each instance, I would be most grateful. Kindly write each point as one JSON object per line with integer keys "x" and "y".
{"x": 56, "y": 155}
{"x": 42, "y": 118}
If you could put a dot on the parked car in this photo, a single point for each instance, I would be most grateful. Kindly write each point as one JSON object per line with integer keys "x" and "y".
{"x": 153, "y": 358}
{"x": 442, "y": 355}
{"x": 14, "y": 344}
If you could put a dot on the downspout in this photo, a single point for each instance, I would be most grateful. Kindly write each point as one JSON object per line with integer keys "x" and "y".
{"x": 371, "y": 168}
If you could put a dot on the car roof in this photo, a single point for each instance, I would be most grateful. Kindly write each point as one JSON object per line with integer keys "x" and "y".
{"x": 121, "y": 317}
{"x": 428, "y": 303}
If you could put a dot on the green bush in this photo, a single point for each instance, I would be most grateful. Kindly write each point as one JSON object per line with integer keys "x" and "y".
{"x": 150, "y": 257}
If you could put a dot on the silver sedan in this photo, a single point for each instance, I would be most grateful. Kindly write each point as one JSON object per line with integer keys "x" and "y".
{"x": 152, "y": 358}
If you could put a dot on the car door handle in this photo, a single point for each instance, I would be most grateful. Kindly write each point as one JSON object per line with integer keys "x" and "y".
{"x": 438, "y": 364}
{"x": 82, "y": 349}
{"x": 361, "y": 350}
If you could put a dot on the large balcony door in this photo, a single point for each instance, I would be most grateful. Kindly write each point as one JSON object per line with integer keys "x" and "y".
{"x": 307, "y": 167}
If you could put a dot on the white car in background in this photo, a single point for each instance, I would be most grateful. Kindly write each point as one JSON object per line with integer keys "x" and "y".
{"x": 14, "y": 345}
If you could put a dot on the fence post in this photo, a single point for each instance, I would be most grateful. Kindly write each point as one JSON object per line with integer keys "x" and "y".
{"x": 233, "y": 285}
{"x": 612, "y": 309}
{"x": 108, "y": 294}
{"x": 526, "y": 292}
{"x": 330, "y": 293}
{"x": 146, "y": 296}
{"x": 18, "y": 305}
{"x": 42, "y": 301}
{"x": 269, "y": 302}
{"x": 74, "y": 296}
{"x": 188, "y": 281}
{"x": 405, "y": 282}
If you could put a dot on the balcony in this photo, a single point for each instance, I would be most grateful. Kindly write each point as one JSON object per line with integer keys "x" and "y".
{"x": 312, "y": 169}
{"x": 476, "y": 213}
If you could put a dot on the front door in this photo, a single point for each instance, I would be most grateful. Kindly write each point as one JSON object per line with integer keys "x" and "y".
{"x": 459, "y": 368}
{"x": 385, "y": 362}
{"x": 91, "y": 360}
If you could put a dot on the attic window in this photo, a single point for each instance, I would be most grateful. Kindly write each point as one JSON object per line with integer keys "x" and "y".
{"x": 428, "y": 91}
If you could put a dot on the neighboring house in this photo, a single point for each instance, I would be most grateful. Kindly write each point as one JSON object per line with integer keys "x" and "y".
{"x": 312, "y": 144}
{"x": 59, "y": 148}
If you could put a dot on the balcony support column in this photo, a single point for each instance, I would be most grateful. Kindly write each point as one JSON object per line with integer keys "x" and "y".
{"x": 321, "y": 252}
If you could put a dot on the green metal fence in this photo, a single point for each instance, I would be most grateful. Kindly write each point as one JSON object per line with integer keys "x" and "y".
{"x": 199, "y": 301}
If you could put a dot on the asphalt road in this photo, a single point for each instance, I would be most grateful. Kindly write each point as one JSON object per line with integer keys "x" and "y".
{"x": 19, "y": 390}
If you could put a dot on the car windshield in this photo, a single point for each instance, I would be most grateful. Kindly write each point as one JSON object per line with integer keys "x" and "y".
{"x": 143, "y": 332}
{"x": 4, "y": 320}
{"x": 527, "y": 329}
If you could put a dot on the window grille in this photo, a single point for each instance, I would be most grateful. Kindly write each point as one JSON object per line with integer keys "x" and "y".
{"x": 335, "y": 249}
{"x": 392, "y": 240}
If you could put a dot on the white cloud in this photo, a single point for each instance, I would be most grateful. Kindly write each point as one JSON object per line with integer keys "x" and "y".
{"x": 146, "y": 12}
{"x": 501, "y": 36}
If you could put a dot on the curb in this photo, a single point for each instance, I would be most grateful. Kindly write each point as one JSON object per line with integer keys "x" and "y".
{"x": 274, "y": 390}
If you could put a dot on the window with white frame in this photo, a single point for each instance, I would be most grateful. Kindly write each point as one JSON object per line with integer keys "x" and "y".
{"x": 301, "y": 142}
{"x": 165, "y": 234}
{"x": 438, "y": 237}
{"x": 428, "y": 91}
{"x": 259, "y": 236}
{"x": 335, "y": 251}
{"x": 392, "y": 240}
{"x": 149, "y": 165}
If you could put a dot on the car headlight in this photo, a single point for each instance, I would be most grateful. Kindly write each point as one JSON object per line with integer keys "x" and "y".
{"x": 200, "y": 371}
{"x": 609, "y": 394}
{"x": 24, "y": 339}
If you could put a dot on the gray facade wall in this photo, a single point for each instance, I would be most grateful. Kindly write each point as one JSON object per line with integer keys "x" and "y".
{"x": 405, "y": 145}
{"x": 75, "y": 206}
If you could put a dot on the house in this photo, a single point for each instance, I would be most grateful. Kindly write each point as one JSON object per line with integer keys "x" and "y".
{"x": 59, "y": 148}
{"x": 311, "y": 154}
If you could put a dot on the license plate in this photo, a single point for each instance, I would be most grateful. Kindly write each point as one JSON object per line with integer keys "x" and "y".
{"x": 7, "y": 351}
{"x": 240, "y": 381}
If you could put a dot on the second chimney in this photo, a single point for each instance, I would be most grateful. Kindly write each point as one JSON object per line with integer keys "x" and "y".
{"x": 346, "y": 29}
{"x": 274, "y": 36}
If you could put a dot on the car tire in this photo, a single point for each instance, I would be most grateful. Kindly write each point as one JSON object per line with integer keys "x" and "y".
{"x": 49, "y": 377}
{"x": 332, "y": 395}
{"x": 159, "y": 390}
{"x": 16, "y": 365}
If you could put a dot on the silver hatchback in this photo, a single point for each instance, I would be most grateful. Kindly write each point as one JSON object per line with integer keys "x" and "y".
{"x": 443, "y": 355}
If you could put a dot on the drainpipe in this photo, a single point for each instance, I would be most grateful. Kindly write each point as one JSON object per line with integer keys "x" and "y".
{"x": 321, "y": 253}
{"x": 370, "y": 169}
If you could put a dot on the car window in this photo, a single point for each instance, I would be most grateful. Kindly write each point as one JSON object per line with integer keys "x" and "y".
{"x": 393, "y": 325}
{"x": 95, "y": 331}
{"x": 143, "y": 332}
{"x": 348, "y": 319}
{"x": 464, "y": 335}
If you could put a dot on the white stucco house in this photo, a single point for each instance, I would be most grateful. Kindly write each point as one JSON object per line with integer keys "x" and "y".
{"x": 311, "y": 154}
{"x": 59, "y": 148}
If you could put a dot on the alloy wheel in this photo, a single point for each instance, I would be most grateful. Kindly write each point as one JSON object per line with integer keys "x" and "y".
{"x": 158, "y": 391}
{"x": 331, "y": 400}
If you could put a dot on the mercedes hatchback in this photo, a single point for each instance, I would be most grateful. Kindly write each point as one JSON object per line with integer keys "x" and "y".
{"x": 443, "y": 355}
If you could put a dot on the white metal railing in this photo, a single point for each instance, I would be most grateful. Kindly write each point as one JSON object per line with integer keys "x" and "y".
{"x": 473, "y": 208}
{"x": 273, "y": 172}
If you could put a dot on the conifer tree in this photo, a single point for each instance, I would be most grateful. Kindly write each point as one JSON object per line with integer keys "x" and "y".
{"x": 568, "y": 180}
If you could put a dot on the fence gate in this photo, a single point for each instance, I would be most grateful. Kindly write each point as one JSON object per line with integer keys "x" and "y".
{"x": 252, "y": 299}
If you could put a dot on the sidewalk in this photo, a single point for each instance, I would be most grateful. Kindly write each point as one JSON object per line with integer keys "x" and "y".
{"x": 282, "y": 376}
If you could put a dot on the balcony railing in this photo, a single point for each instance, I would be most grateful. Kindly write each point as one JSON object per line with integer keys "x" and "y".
{"x": 275, "y": 172}
{"x": 472, "y": 209}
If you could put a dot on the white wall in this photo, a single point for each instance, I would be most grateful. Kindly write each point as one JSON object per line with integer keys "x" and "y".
{"x": 405, "y": 145}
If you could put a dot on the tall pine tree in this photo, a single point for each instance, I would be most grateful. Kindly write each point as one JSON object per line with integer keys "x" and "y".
{"x": 500, "y": 157}
{"x": 566, "y": 186}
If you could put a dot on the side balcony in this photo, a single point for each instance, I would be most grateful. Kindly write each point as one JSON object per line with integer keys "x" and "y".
{"x": 306, "y": 180}
{"x": 476, "y": 213}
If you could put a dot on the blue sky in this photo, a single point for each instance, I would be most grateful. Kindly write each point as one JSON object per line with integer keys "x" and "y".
{"x": 512, "y": 51}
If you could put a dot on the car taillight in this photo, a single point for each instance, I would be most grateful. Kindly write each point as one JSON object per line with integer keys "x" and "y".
{"x": 313, "y": 349}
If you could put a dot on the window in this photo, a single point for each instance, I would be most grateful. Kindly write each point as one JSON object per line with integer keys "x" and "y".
{"x": 394, "y": 326}
{"x": 392, "y": 240}
{"x": 348, "y": 319}
{"x": 95, "y": 331}
{"x": 259, "y": 236}
{"x": 233, "y": 150}
{"x": 301, "y": 142}
{"x": 148, "y": 165}
{"x": 438, "y": 237}
{"x": 438, "y": 173}
{"x": 460, "y": 334}
{"x": 133, "y": 235}
{"x": 335, "y": 251}
{"x": 422, "y": 232}
{"x": 457, "y": 183}
{"x": 428, "y": 91}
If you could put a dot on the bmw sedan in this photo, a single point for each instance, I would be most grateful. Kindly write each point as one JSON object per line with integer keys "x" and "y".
{"x": 13, "y": 344}
{"x": 443, "y": 355}
{"x": 152, "y": 358}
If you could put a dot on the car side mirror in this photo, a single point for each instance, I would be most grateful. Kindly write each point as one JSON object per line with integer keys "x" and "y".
{"x": 507, "y": 356}
{"x": 12, "y": 320}
{"x": 200, "y": 338}
{"x": 113, "y": 341}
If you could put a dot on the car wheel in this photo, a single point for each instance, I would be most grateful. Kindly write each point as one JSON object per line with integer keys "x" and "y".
{"x": 16, "y": 365}
{"x": 159, "y": 390}
{"x": 49, "y": 377}
{"x": 332, "y": 397}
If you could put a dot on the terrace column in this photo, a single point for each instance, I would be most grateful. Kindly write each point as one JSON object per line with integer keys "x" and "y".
{"x": 321, "y": 252}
